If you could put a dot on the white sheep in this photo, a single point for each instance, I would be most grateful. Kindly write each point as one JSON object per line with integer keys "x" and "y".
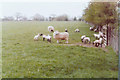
{"x": 98, "y": 42}
{"x": 97, "y": 36}
{"x": 36, "y": 37}
{"x": 91, "y": 28}
{"x": 66, "y": 30}
{"x": 95, "y": 30}
{"x": 48, "y": 38}
{"x": 43, "y": 36}
{"x": 82, "y": 37}
{"x": 86, "y": 40}
{"x": 50, "y": 28}
{"x": 77, "y": 30}
{"x": 101, "y": 34}
{"x": 61, "y": 36}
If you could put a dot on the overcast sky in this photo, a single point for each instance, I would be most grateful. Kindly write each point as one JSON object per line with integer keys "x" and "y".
{"x": 44, "y": 8}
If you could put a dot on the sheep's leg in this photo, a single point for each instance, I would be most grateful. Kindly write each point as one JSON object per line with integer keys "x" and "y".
{"x": 101, "y": 45}
{"x": 66, "y": 40}
{"x": 43, "y": 39}
{"x": 57, "y": 41}
{"x": 49, "y": 40}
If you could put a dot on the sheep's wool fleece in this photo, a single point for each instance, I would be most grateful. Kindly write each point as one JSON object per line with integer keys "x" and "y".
{"x": 61, "y": 35}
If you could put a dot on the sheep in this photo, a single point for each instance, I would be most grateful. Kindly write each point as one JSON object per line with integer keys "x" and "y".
{"x": 77, "y": 30}
{"x": 95, "y": 30}
{"x": 97, "y": 36}
{"x": 101, "y": 34}
{"x": 43, "y": 36}
{"x": 36, "y": 37}
{"x": 46, "y": 37}
{"x": 82, "y": 37}
{"x": 61, "y": 36}
{"x": 86, "y": 40}
{"x": 91, "y": 28}
{"x": 66, "y": 30}
{"x": 50, "y": 28}
{"x": 98, "y": 42}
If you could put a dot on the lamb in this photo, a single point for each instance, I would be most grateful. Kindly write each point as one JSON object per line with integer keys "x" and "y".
{"x": 77, "y": 30}
{"x": 86, "y": 40}
{"x": 61, "y": 36}
{"x": 66, "y": 30}
{"x": 50, "y": 28}
{"x": 95, "y": 30}
{"x": 91, "y": 28}
{"x": 97, "y": 36}
{"x": 98, "y": 42}
{"x": 46, "y": 37}
{"x": 101, "y": 34}
{"x": 82, "y": 37}
{"x": 43, "y": 36}
{"x": 36, "y": 37}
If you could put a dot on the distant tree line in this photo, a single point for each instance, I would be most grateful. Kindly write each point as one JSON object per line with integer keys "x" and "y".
{"x": 38, "y": 17}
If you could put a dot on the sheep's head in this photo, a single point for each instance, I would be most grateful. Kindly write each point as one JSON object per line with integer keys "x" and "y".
{"x": 40, "y": 34}
{"x": 83, "y": 37}
{"x": 52, "y": 30}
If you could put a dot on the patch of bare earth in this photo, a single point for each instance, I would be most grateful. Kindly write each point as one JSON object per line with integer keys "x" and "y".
{"x": 85, "y": 45}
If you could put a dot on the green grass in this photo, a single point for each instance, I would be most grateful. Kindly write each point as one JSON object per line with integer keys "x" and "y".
{"x": 25, "y": 58}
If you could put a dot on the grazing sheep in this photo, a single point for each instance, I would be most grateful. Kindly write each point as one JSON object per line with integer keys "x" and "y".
{"x": 97, "y": 36}
{"x": 48, "y": 38}
{"x": 43, "y": 36}
{"x": 66, "y": 30}
{"x": 50, "y": 28}
{"x": 101, "y": 34}
{"x": 86, "y": 40}
{"x": 98, "y": 42}
{"x": 82, "y": 37}
{"x": 95, "y": 30}
{"x": 77, "y": 30}
{"x": 36, "y": 37}
{"x": 91, "y": 28}
{"x": 61, "y": 36}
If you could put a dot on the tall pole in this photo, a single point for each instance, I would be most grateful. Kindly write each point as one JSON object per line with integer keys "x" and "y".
{"x": 107, "y": 34}
{"x": 119, "y": 40}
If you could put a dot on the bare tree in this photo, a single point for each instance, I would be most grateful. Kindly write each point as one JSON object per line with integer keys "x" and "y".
{"x": 18, "y": 16}
{"x": 8, "y": 18}
{"x": 38, "y": 17}
{"x": 63, "y": 17}
{"x": 24, "y": 18}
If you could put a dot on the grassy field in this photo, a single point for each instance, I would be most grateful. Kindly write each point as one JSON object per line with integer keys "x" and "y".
{"x": 25, "y": 58}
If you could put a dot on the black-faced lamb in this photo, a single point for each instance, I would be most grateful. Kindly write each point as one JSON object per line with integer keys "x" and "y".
{"x": 77, "y": 30}
{"x": 50, "y": 28}
{"x": 66, "y": 30}
{"x": 86, "y": 40}
{"x": 48, "y": 37}
{"x": 98, "y": 42}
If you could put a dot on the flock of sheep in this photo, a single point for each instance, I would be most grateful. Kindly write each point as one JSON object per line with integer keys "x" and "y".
{"x": 101, "y": 38}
